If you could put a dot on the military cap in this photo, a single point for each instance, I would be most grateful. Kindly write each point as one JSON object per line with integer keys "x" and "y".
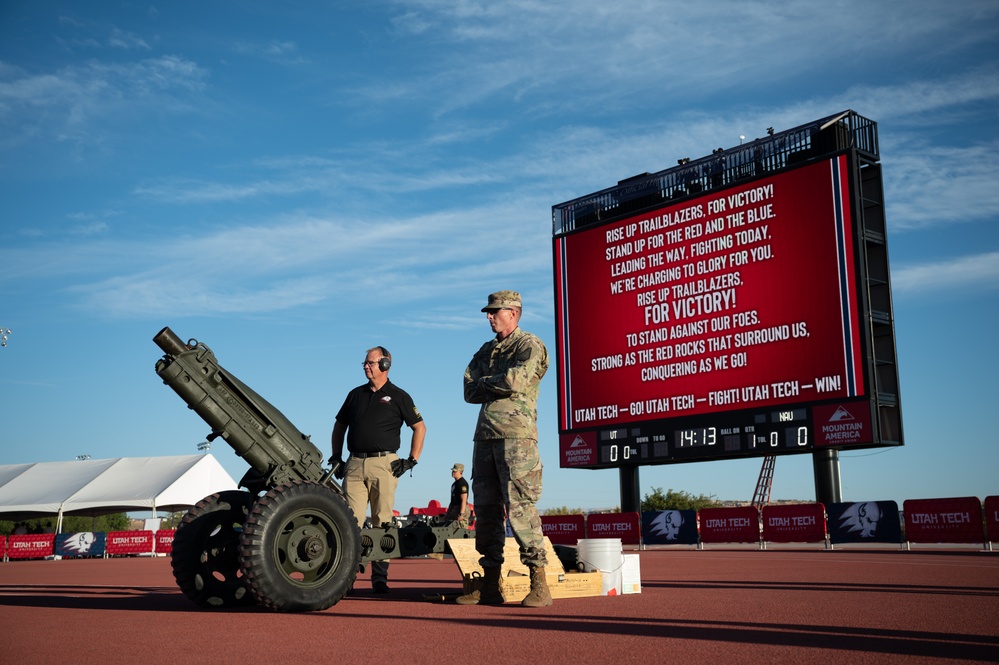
{"x": 502, "y": 299}
{"x": 458, "y": 467}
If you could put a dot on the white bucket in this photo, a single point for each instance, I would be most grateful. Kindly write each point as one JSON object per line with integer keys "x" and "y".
{"x": 603, "y": 554}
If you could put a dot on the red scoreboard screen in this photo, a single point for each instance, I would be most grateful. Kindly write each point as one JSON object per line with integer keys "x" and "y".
{"x": 721, "y": 326}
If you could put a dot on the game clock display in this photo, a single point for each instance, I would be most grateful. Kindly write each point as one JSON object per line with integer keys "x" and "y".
{"x": 732, "y": 435}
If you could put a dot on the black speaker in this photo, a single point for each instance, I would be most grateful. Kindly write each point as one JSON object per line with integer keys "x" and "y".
{"x": 386, "y": 360}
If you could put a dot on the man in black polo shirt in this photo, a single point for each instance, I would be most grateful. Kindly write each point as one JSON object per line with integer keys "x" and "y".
{"x": 372, "y": 416}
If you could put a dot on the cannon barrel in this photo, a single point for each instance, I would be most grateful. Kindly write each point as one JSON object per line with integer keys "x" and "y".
{"x": 172, "y": 345}
{"x": 275, "y": 449}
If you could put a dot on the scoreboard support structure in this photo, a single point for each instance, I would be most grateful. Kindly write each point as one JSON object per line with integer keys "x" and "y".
{"x": 737, "y": 305}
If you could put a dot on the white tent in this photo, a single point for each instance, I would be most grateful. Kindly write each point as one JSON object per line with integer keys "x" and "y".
{"x": 99, "y": 487}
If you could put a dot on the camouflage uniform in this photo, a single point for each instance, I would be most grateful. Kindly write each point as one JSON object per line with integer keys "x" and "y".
{"x": 504, "y": 377}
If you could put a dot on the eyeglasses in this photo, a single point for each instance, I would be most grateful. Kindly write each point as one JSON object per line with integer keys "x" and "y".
{"x": 498, "y": 309}
{"x": 370, "y": 362}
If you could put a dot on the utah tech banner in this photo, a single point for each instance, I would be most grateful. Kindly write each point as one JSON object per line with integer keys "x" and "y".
{"x": 864, "y": 522}
{"x": 87, "y": 543}
{"x": 669, "y": 527}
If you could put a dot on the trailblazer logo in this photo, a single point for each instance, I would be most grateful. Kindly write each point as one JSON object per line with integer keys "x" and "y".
{"x": 862, "y": 517}
{"x": 667, "y": 524}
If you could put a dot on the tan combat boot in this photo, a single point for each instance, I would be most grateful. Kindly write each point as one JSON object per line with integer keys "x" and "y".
{"x": 489, "y": 594}
{"x": 539, "y": 596}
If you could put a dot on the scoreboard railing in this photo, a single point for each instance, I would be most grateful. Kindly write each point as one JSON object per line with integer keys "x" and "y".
{"x": 722, "y": 168}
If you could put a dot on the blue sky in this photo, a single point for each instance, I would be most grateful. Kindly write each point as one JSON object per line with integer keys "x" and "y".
{"x": 292, "y": 183}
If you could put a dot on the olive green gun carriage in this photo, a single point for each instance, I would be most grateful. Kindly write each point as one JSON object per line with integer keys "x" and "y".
{"x": 288, "y": 540}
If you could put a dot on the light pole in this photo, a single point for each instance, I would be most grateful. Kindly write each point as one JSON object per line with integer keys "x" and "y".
{"x": 83, "y": 458}
{"x": 4, "y": 333}
{"x": 205, "y": 446}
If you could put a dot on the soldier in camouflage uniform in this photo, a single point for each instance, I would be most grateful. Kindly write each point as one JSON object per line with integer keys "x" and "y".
{"x": 504, "y": 377}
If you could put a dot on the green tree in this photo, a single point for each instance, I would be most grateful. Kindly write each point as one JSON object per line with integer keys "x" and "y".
{"x": 676, "y": 500}
{"x": 71, "y": 523}
{"x": 564, "y": 510}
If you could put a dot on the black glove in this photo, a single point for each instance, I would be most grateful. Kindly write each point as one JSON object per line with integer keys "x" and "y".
{"x": 401, "y": 466}
{"x": 339, "y": 468}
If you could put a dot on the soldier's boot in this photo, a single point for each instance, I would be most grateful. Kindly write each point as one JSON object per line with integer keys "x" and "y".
{"x": 539, "y": 595}
{"x": 488, "y": 594}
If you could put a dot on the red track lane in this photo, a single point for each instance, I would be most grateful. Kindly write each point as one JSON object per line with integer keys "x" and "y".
{"x": 787, "y": 606}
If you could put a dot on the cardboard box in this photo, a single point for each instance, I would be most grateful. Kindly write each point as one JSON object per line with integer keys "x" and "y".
{"x": 515, "y": 580}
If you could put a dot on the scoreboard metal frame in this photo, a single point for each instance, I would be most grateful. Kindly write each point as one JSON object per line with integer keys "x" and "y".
{"x": 608, "y": 369}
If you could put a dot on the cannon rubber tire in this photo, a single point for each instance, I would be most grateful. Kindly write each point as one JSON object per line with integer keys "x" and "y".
{"x": 300, "y": 548}
{"x": 205, "y": 553}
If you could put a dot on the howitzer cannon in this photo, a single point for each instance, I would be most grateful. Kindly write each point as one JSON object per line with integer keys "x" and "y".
{"x": 289, "y": 541}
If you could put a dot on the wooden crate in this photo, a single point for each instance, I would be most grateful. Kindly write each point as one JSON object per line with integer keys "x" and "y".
{"x": 515, "y": 580}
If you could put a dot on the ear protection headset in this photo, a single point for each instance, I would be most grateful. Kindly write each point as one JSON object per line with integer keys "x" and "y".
{"x": 386, "y": 360}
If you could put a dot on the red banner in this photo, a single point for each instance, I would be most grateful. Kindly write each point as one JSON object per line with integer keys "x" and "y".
{"x": 626, "y": 526}
{"x": 3, "y": 546}
{"x": 739, "y": 524}
{"x": 129, "y": 542}
{"x": 563, "y": 529}
{"x": 992, "y": 518}
{"x": 794, "y": 523}
{"x": 164, "y": 540}
{"x": 956, "y": 520}
{"x": 31, "y": 546}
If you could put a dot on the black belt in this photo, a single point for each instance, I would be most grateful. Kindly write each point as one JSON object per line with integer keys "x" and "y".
{"x": 380, "y": 453}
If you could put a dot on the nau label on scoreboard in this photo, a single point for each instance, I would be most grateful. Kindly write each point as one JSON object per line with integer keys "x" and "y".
{"x": 842, "y": 424}
{"x": 578, "y": 449}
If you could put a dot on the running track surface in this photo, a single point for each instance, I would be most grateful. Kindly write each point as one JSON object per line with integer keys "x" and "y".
{"x": 713, "y": 606}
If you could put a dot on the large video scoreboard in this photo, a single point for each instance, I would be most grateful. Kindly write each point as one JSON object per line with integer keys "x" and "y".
{"x": 730, "y": 324}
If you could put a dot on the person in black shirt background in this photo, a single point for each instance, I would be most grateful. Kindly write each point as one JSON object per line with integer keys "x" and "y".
{"x": 458, "y": 508}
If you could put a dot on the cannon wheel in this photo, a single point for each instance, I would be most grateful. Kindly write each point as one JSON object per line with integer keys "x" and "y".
{"x": 205, "y": 554}
{"x": 300, "y": 548}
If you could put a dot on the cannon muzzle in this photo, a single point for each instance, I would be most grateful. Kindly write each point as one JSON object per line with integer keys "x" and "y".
{"x": 167, "y": 340}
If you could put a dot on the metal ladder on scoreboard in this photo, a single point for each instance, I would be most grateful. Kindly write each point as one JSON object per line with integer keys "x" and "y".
{"x": 761, "y": 495}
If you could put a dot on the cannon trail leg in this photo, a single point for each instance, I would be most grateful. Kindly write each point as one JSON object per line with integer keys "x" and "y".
{"x": 300, "y": 548}
{"x": 205, "y": 555}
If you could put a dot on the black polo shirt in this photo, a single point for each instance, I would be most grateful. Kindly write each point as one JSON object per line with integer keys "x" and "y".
{"x": 374, "y": 419}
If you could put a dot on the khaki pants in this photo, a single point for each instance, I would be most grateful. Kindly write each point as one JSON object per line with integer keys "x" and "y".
{"x": 370, "y": 480}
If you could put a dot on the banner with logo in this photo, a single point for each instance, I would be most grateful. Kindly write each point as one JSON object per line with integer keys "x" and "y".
{"x": 626, "y": 526}
{"x": 86, "y": 543}
{"x": 669, "y": 527}
{"x": 738, "y": 524}
{"x": 955, "y": 520}
{"x": 30, "y": 546}
{"x": 864, "y": 522}
{"x": 992, "y": 518}
{"x": 794, "y": 523}
{"x": 129, "y": 542}
{"x": 164, "y": 540}
{"x": 563, "y": 529}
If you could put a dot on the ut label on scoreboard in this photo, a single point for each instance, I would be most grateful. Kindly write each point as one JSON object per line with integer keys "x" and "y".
{"x": 734, "y": 323}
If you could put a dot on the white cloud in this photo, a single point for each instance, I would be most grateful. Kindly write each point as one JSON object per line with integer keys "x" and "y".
{"x": 972, "y": 273}
{"x": 82, "y": 102}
